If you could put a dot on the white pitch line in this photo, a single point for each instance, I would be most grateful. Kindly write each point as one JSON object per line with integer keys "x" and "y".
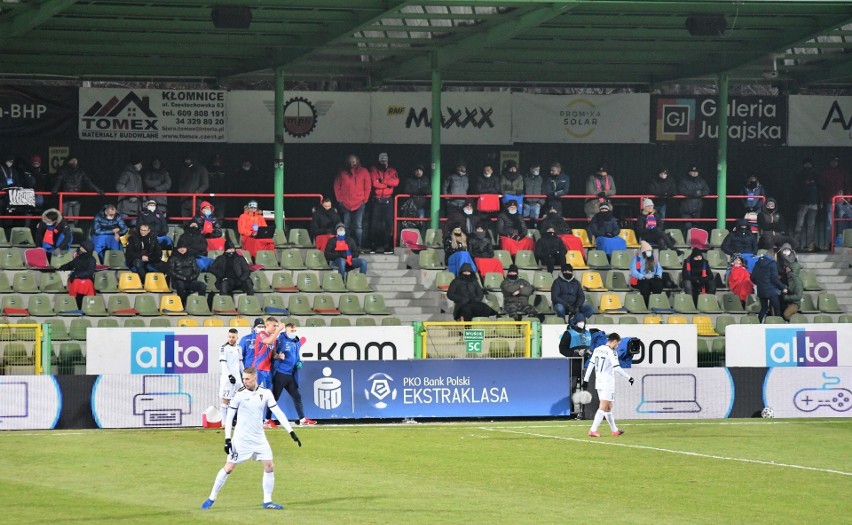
{"x": 670, "y": 451}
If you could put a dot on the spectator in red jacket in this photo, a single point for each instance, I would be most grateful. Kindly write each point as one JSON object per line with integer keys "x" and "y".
{"x": 352, "y": 189}
{"x": 384, "y": 179}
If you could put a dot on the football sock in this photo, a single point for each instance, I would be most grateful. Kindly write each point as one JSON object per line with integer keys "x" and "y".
{"x": 599, "y": 415}
{"x": 221, "y": 478}
{"x": 223, "y": 409}
{"x": 611, "y": 420}
{"x": 268, "y": 485}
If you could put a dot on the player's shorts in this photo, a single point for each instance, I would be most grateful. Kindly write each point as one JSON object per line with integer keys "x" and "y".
{"x": 264, "y": 379}
{"x": 226, "y": 389}
{"x": 606, "y": 395}
{"x": 250, "y": 451}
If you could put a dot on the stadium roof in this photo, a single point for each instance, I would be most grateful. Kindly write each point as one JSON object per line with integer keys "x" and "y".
{"x": 374, "y": 42}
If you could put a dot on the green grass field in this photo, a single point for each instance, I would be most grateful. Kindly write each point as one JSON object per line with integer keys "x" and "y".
{"x": 732, "y": 471}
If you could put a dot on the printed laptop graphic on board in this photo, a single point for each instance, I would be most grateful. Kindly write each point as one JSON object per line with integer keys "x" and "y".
{"x": 668, "y": 394}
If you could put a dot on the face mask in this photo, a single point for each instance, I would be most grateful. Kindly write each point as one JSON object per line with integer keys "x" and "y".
{"x": 567, "y": 275}
{"x": 48, "y": 224}
{"x": 341, "y": 233}
{"x": 512, "y": 276}
{"x": 486, "y": 175}
{"x": 206, "y": 213}
{"x": 156, "y": 165}
{"x": 513, "y": 211}
{"x": 152, "y": 208}
{"x": 110, "y": 217}
{"x": 467, "y": 274}
{"x": 581, "y": 325}
{"x": 551, "y": 234}
{"x": 480, "y": 235}
{"x": 462, "y": 172}
{"x": 9, "y": 163}
{"x": 535, "y": 173}
{"x": 649, "y": 253}
{"x": 468, "y": 212}
{"x": 138, "y": 166}
{"x": 786, "y": 253}
{"x": 752, "y": 185}
{"x": 457, "y": 234}
{"x": 258, "y": 329}
{"x": 246, "y": 167}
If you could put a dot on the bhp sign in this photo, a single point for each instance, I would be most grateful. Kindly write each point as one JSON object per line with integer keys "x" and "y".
{"x": 793, "y": 347}
{"x": 167, "y": 353}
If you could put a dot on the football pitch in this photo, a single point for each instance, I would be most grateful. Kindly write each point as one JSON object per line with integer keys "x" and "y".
{"x": 731, "y": 471}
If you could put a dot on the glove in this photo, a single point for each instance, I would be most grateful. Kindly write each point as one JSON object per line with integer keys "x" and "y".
{"x": 602, "y": 194}
{"x": 227, "y": 445}
{"x": 631, "y": 380}
{"x": 232, "y": 379}
{"x": 584, "y": 385}
{"x": 294, "y": 436}
{"x": 298, "y": 365}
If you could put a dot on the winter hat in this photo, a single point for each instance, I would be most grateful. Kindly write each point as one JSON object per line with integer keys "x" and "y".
{"x": 135, "y": 159}
{"x": 512, "y": 269}
{"x": 258, "y": 322}
{"x": 647, "y": 202}
{"x": 252, "y": 204}
{"x": 511, "y": 164}
{"x": 340, "y": 225}
{"x": 696, "y": 252}
{"x": 383, "y": 157}
{"x": 35, "y": 158}
{"x": 644, "y": 247}
{"x": 578, "y": 317}
{"x": 150, "y": 201}
{"x": 511, "y": 202}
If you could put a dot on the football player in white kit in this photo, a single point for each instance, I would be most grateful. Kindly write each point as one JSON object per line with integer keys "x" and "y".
{"x": 231, "y": 370}
{"x": 251, "y": 401}
{"x": 604, "y": 362}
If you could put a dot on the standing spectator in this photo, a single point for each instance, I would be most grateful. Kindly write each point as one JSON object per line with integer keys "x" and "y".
{"x": 467, "y": 294}
{"x": 740, "y": 241}
{"x": 694, "y": 188}
{"x": 219, "y": 183}
{"x": 384, "y": 179}
{"x": 456, "y": 184}
{"x": 646, "y": 273}
{"x": 790, "y": 276}
{"x": 516, "y": 295}
{"x": 832, "y": 182}
{"x": 11, "y": 178}
{"x": 157, "y": 180}
{"x": 82, "y": 267}
{"x": 487, "y": 186}
{"x": 533, "y": 185}
{"x": 193, "y": 179}
{"x": 130, "y": 182}
{"x": 754, "y": 189}
{"x": 769, "y": 286}
{"x": 183, "y": 271}
{"x": 602, "y": 186}
{"x": 697, "y": 277}
{"x": 556, "y": 185}
{"x": 605, "y": 229}
{"x": 352, "y": 189}
{"x": 107, "y": 229}
{"x": 53, "y": 233}
{"x": 773, "y": 227}
{"x": 467, "y": 217}
{"x": 287, "y": 364}
{"x": 232, "y": 272}
{"x": 419, "y": 187}
{"x": 342, "y": 252}
{"x": 247, "y": 172}
{"x": 255, "y": 234}
{"x": 487, "y": 183}
{"x": 511, "y": 181}
{"x": 513, "y": 233}
{"x": 662, "y": 188}
{"x": 143, "y": 253}
{"x": 550, "y": 250}
{"x": 209, "y": 226}
{"x": 567, "y": 295}
{"x": 650, "y": 228}
{"x": 72, "y": 179}
{"x": 37, "y": 178}
{"x": 155, "y": 218}
{"x": 808, "y": 198}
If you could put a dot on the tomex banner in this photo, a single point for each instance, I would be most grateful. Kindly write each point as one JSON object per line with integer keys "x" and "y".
{"x": 667, "y": 346}
{"x": 753, "y": 120}
{"x": 820, "y": 121}
{"x": 466, "y": 118}
{"x": 309, "y": 117}
{"x": 186, "y": 115}
{"x": 28, "y": 111}
{"x": 615, "y": 119}
{"x": 807, "y": 345}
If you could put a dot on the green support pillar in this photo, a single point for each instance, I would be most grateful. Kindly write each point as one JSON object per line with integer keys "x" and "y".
{"x": 436, "y": 146}
{"x": 722, "y": 161}
{"x": 278, "y": 164}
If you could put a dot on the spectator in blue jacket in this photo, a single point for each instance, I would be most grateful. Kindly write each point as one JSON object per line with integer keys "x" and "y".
{"x": 567, "y": 295}
{"x": 605, "y": 229}
{"x": 646, "y": 273}
{"x": 286, "y": 370}
{"x": 107, "y": 230}
{"x": 769, "y": 286}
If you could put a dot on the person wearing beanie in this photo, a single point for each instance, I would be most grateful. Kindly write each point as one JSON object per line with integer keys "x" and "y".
{"x": 467, "y": 295}
{"x": 513, "y": 233}
{"x": 768, "y": 286}
{"x": 53, "y": 233}
{"x": 550, "y": 250}
{"x": 457, "y": 183}
{"x": 384, "y": 180}
{"x": 604, "y": 229}
{"x": 695, "y": 188}
{"x": 649, "y": 227}
{"x": 662, "y": 187}
{"x": 480, "y": 247}
{"x": 419, "y": 186}
{"x": 756, "y": 195}
{"x": 156, "y": 180}
{"x": 790, "y": 270}
{"x": 516, "y": 295}
{"x": 129, "y": 184}
{"x": 232, "y": 272}
{"x": 696, "y": 275}
{"x": 576, "y": 344}
{"x": 255, "y": 234}
{"x": 740, "y": 240}
{"x": 773, "y": 227}
{"x": 602, "y": 186}
{"x": 646, "y": 273}
{"x": 567, "y": 295}
{"x": 152, "y": 216}
{"x": 324, "y": 221}
{"x": 183, "y": 271}
{"x": 467, "y": 216}
{"x": 343, "y": 253}
{"x": 511, "y": 181}
{"x": 82, "y": 266}
{"x": 352, "y": 189}
{"x": 194, "y": 178}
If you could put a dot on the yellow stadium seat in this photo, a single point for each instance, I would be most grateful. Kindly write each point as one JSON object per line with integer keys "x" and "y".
{"x": 575, "y": 259}
{"x": 592, "y": 282}
{"x": 611, "y": 304}
{"x": 705, "y": 325}
{"x": 652, "y": 319}
{"x": 171, "y": 305}
{"x": 129, "y": 282}
{"x": 629, "y": 237}
{"x": 239, "y": 322}
{"x": 213, "y": 322}
{"x": 677, "y": 319}
{"x": 188, "y": 322}
{"x": 155, "y": 282}
{"x": 584, "y": 236}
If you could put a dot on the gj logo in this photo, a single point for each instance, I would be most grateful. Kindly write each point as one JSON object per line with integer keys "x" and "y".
{"x": 797, "y": 347}
{"x": 379, "y": 389}
{"x": 167, "y": 353}
{"x": 675, "y": 119}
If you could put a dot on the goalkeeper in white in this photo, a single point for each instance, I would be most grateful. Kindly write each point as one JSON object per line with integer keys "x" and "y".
{"x": 249, "y": 441}
{"x": 604, "y": 362}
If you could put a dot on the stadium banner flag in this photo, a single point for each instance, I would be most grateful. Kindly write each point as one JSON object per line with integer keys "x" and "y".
{"x": 666, "y": 346}
{"x": 466, "y": 118}
{"x": 685, "y": 393}
{"x": 820, "y": 121}
{"x": 607, "y": 119}
{"x": 809, "y": 392}
{"x": 196, "y": 350}
{"x": 792, "y": 345}
{"x": 167, "y": 115}
{"x": 751, "y": 119}
{"x": 29, "y": 402}
{"x": 309, "y": 117}
{"x": 36, "y": 111}
{"x": 433, "y": 388}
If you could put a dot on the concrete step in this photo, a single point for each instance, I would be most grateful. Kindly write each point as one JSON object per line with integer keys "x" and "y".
{"x": 832, "y": 280}
{"x": 413, "y": 310}
{"x": 392, "y": 271}
{"x": 398, "y": 281}
{"x": 424, "y": 303}
{"x": 395, "y": 293}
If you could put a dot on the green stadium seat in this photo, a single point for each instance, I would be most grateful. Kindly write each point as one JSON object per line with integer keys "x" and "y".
{"x": 718, "y": 349}
{"x": 58, "y": 330}
{"x": 525, "y": 260}
{"x": 315, "y": 260}
{"x": 105, "y": 282}
{"x": 120, "y": 306}
{"x": 300, "y": 238}
{"x": 708, "y": 304}
{"x": 391, "y": 321}
{"x": 175, "y": 232}
{"x": 749, "y": 319}
{"x": 602, "y": 319}
{"x": 434, "y": 238}
{"x": 722, "y": 322}
{"x": 731, "y": 304}
{"x": 845, "y": 318}
{"x": 823, "y": 318}
{"x": 213, "y": 254}
{"x": 25, "y": 282}
{"x": 283, "y": 282}
{"x": 374, "y": 304}
{"x": 620, "y": 260}
{"x": 635, "y": 304}
{"x": 807, "y": 305}
{"x": 78, "y": 327}
{"x": 365, "y": 321}
{"x": 659, "y": 303}
{"x": 196, "y": 305}
{"x": 491, "y": 300}
{"x": 498, "y": 348}
{"x": 40, "y": 305}
{"x": 4, "y": 241}
{"x": 828, "y": 304}
{"x": 847, "y": 238}
{"x": 232, "y": 236}
{"x": 93, "y": 306}
{"x": 357, "y": 282}
{"x": 5, "y": 287}
{"x": 14, "y": 306}
{"x": 717, "y": 236}
{"x": 443, "y": 280}
{"x": 108, "y": 322}
{"x": 669, "y": 260}
{"x": 809, "y": 281}
{"x": 350, "y": 304}
{"x": 249, "y": 305}
{"x": 324, "y": 305}
{"x": 11, "y": 259}
{"x": 552, "y": 319}
{"x": 299, "y": 305}
{"x": 596, "y": 259}
{"x": 160, "y": 322}
{"x": 616, "y": 281}
{"x": 332, "y": 282}
{"x": 493, "y": 281}
{"x": 752, "y": 304}
{"x": 115, "y": 259}
{"x": 504, "y": 257}
{"x": 341, "y": 321}
{"x": 223, "y": 305}
{"x": 133, "y": 322}
{"x": 541, "y": 303}
{"x": 315, "y": 322}
{"x": 58, "y": 259}
{"x": 260, "y": 282}
{"x": 542, "y": 281}
{"x": 274, "y": 304}
{"x": 627, "y": 319}
{"x": 71, "y": 359}
{"x": 677, "y": 235}
{"x": 798, "y": 319}
{"x": 147, "y": 305}
{"x": 65, "y": 305}
{"x": 279, "y": 238}
{"x": 717, "y": 259}
{"x": 21, "y": 237}
{"x": 308, "y": 282}
{"x": 51, "y": 283}
{"x": 266, "y": 258}
{"x": 774, "y": 319}
{"x": 291, "y": 259}
{"x": 429, "y": 259}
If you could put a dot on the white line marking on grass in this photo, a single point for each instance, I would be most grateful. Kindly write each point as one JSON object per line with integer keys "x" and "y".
{"x": 670, "y": 451}
{"x": 51, "y": 434}
{"x": 691, "y": 422}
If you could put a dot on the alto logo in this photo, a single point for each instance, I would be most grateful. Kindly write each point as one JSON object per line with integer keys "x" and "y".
{"x": 797, "y": 347}
{"x": 129, "y": 113}
{"x": 167, "y": 353}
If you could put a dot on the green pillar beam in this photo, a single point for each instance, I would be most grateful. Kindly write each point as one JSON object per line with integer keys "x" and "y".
{"x": 722, "y": 160}
{"x": 29, "y": 20}
{"x": 436, "y": 147}
{"x": 278, "y": 184}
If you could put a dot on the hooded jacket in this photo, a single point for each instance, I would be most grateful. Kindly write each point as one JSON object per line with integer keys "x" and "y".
{"x": 194, "y": 241}
{"x": 771, "y": 220}
{"x": 550, "y": 246}
{"x": 247, "y": 221}
{"x": 765, "y": 277}
{"x": 567, "y": 292}
{"x": 230, "y": 265}
{"x": 324, "y": 221}
{"x": 61, "y": 233}
{"x": 83, "y": 265}
{"x": 740, "y": 240}
{"x": 480, "y": 246}
{"x": 183, "y": 266}
{"x": 464, "y": 290}
{"x": 695, "y": 188}
{"x": 696, "y": 271}
{"x": 73, "y": 180}
{"x": 604, "y": 224}
{"x": 103, "y": 225}
{"x": 208, "y": 226}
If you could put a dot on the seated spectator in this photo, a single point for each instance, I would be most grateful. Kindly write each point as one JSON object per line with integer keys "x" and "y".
{"x": 567, "y": 295}
{"x": 183, "y": 273}
{"x": 209, "y": 227}
{"x": 516, "y": 295}
{"x": 513, "y": 233}
{"x": 467, "y": 294}
{"x": 254, "y": 233}
{"x": 482, "y": 251}
{"x": 550, "y": 250}
{"x": 553, "y": 219}
{"x": 739, "y": 279}
{"x": 82, "y": 267}
{"x": 143, "y": 253}
{"x": 605, "y": 229}
{"x": 197, "y": 246}
{"x": 646, "y": 273}
{"x": 456, "y": 250}
{"x": 466, "y": 217}
{"x": 741, "y": 241}
{"x": 650, "y": 228}
{"x": 232, "y": 272}
{"x": 107, "y": 230}
{"x": 156, "y": 220}
{"x": 53, "y": 233}
{"x": 755, "y": 191}
{"x": 697, "y": 276}
{"x": 324, "y": 220}
{"x": 342, "y": 252}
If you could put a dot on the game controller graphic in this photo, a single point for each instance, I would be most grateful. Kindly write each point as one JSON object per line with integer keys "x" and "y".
{"x": 837, "y": 399}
